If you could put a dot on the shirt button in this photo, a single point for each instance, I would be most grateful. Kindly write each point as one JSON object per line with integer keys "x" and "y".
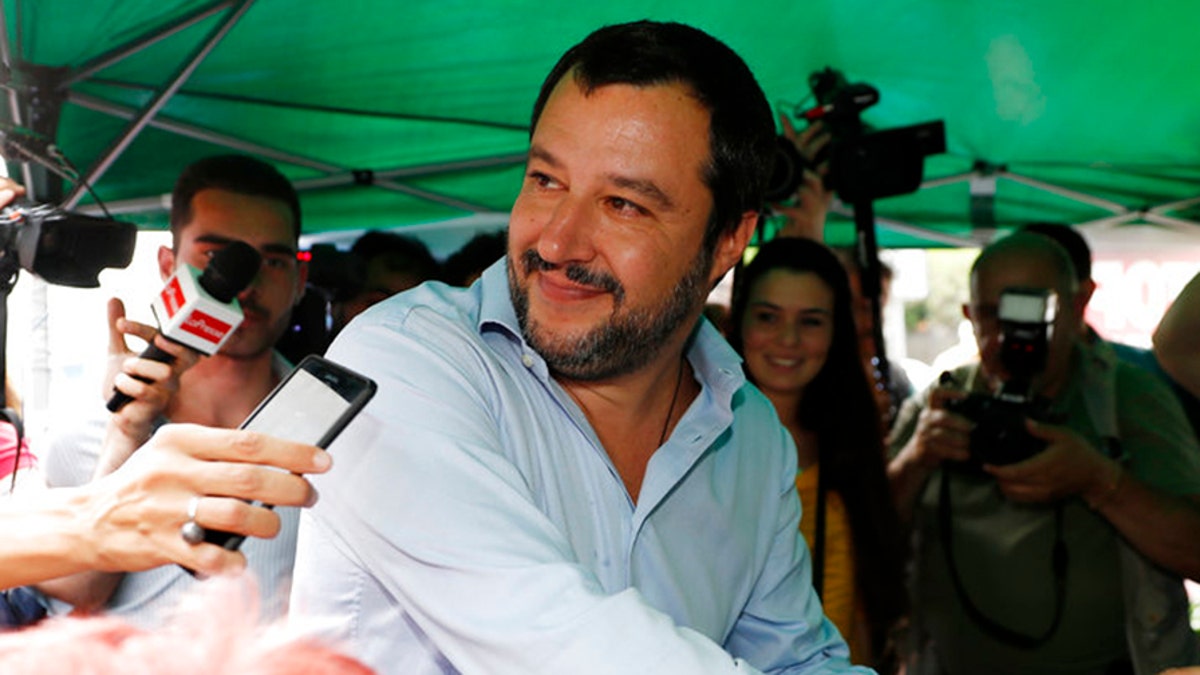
{"x": 527, "y": 359}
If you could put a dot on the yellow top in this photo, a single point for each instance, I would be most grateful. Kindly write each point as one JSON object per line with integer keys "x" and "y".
{"x": 839, "y": 595}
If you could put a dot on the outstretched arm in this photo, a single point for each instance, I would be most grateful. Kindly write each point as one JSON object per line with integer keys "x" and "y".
{"x": 150, "y": 384}
{"x": 130, "y": 520}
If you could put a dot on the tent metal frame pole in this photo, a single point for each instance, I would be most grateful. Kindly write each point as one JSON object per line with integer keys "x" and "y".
{"x": 926, "y": 233}
{"x": 1110, "y": 221}
{"x": 337, "y": 175}
{"x": 344, "y": 177}
{"x": 139, "y": 205}
{"x": 431, "y": 196}
{"x": 18, "y": 10}
{"x": 142, "y": 42}
{"x": 331, "y": 109}
{"x": 421, "y": 170}
{"x": 200, "y": 133}
{"x": 1176, "y": 205}
{"x": 163, "y": 201}
{"x": 1180, "y": 224}
{"x": 340, "y": 180}
{"x": 154, "y": 105}
{"x": 1155, "y": 215}
{"x": 910, "y": 229}
{"x": 947, "y": 180}
{"x": 1121, "y": 213}
{"x": 14, "y": 100}
{"x": 1064, "y": 192}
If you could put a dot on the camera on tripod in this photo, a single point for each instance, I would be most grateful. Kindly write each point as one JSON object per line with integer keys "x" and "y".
{"x": 1026, "y": 317}
{"x": 864, "y": 164}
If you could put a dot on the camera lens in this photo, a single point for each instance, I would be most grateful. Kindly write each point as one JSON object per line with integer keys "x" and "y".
{"x": 787, "y": 173}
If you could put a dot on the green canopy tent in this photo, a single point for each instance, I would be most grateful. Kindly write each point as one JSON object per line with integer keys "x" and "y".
{"x": 415, "y": 114}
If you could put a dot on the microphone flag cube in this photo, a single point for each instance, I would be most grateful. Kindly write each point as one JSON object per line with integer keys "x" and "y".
{"x": 188, "y": 314}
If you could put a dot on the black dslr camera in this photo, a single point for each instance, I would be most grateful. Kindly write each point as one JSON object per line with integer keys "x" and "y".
{"x": 1026, "y": 317}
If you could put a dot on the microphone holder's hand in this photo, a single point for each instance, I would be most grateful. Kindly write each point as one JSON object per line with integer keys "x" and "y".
{"x": 160, "y": 384}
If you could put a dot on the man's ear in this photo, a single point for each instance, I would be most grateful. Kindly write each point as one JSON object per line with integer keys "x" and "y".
{"x": 732, "y": 245}
{"x": 1084, "y": 295}
{"x": 166, "y": 262}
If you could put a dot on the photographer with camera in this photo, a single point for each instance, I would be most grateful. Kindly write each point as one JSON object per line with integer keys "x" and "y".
{"x": 1059, "y": 546}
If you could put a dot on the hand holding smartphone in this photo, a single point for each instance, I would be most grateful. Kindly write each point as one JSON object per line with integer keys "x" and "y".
{"x": 312, "y": 405}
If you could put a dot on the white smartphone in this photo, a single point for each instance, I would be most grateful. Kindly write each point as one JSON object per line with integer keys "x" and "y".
{"x": 312, "y": 405}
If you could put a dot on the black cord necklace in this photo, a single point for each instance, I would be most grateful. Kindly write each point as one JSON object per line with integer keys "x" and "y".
{"x": 674, "y": 397}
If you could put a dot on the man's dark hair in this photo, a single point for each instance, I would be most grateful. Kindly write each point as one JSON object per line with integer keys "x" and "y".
{"x": 742, "y": 129}
{"x": 399, "y": 253}
{"x": 1071, "y": 241}
{"x": 232, "y": 173}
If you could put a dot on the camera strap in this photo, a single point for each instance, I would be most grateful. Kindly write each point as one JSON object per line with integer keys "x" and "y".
{"x": 818, "y": 576}
{"x": 1058, "y": 567}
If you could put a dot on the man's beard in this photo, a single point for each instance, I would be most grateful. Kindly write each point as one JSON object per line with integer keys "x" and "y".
{"x": 628, "y": 340}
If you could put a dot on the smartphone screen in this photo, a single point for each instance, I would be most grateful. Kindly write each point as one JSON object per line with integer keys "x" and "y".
{"x": 312, "y": 405}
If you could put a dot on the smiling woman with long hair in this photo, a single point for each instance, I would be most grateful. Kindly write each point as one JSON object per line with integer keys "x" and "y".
{"x": 792, "y": 322}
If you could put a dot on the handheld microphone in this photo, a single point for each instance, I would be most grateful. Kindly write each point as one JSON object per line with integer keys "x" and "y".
{"x": 200, "y": 309}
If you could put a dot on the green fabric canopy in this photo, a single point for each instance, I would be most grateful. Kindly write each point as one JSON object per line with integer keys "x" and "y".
{"x": 393, "y": 114}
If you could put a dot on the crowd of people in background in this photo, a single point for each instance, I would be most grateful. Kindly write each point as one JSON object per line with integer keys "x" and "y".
{"x": 568, "y": 469}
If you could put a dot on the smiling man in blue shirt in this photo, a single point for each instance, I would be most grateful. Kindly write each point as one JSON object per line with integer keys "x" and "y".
{"x": 564, "y": 470}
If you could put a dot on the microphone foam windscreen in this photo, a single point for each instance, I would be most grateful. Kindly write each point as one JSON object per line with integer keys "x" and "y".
{"x": 230, "y": 271}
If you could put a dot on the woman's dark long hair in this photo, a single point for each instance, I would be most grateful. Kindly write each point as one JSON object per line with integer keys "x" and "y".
{"x": 839, "y": 409}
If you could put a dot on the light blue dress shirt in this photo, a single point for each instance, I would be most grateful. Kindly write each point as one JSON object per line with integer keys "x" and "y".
{"x": 473, "y": 523}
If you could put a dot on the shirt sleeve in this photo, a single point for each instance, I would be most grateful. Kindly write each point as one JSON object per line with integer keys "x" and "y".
{"x": 1153, "y": 430}
{"x": 69, "y": 455}
{"x": 784, "y": 625}
{"x": 438, "y": 517}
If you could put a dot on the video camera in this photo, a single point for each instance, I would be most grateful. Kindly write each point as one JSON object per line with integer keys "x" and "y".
{"x": 64, "y": 248}
{"x": 1026, "y": 317}
{"x": 864, "y": 164}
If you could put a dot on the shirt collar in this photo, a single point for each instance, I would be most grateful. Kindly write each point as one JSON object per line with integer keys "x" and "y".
{"x": 496, "y": 309}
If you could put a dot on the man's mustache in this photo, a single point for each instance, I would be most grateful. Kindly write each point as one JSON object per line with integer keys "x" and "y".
{"x": 533, "y": 262}
{"x": 251, "y": 308}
